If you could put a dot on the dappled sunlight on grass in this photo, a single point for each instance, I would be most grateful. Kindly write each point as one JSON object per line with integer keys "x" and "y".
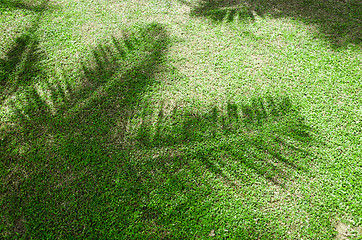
{"x": 180, "y": 119}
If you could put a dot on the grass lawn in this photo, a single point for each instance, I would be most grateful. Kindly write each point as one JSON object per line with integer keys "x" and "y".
{"x": 180, "y": 119}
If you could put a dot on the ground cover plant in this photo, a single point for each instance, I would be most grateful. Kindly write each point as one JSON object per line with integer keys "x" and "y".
{"x": 177, "y": 119}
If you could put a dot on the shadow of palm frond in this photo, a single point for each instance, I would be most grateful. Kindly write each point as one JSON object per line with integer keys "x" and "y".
{"x": 21, "y": 67}
{"x": 32, "y": 5}
{"x": 115, "y": 77}
{"x": 338, "y": 21}
{"x": 60, "y": 133}
{"x": 219, "y": 11}
{"x": 267, "y": 135}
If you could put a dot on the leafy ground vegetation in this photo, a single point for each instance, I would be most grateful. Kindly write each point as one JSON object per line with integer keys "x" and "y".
{"x": 180, "y": 119}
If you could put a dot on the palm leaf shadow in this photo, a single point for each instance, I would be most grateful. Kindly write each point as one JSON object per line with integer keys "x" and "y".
{"x": 69, "y": 138}
{"x": 219, "y": 11}
{"x": 32, "y": 5}
{"x": 338, "y": 21}
{"x": 21, "y": 66}
{"x": 268, "y": 135}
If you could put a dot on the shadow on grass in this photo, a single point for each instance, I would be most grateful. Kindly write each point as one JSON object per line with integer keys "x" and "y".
{"x": 339, "y": 21}
{"x": 222, "y": 11}
{"x": 59, "y": 152}
{"x": 31, "y": 5}
{"x": 267, "y": 135}
{"x": 238, "y": 144}
{"x": 21, "y": 66}
{"x": 73, "y": 169}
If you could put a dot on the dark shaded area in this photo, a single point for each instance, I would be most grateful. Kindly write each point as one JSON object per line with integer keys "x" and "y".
{"x": 182, "y": 201}
{"x": 37, "y": 6}
{"x": 339, "y": 21}
{"x": 222, "y": 10}
{"x": 21, "y": 67}
{"x": 267, "y": 135}
{"x": 63, "y": 159}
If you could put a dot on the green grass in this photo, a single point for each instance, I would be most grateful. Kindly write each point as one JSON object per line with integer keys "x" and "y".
{"x": 180, "y": 119}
